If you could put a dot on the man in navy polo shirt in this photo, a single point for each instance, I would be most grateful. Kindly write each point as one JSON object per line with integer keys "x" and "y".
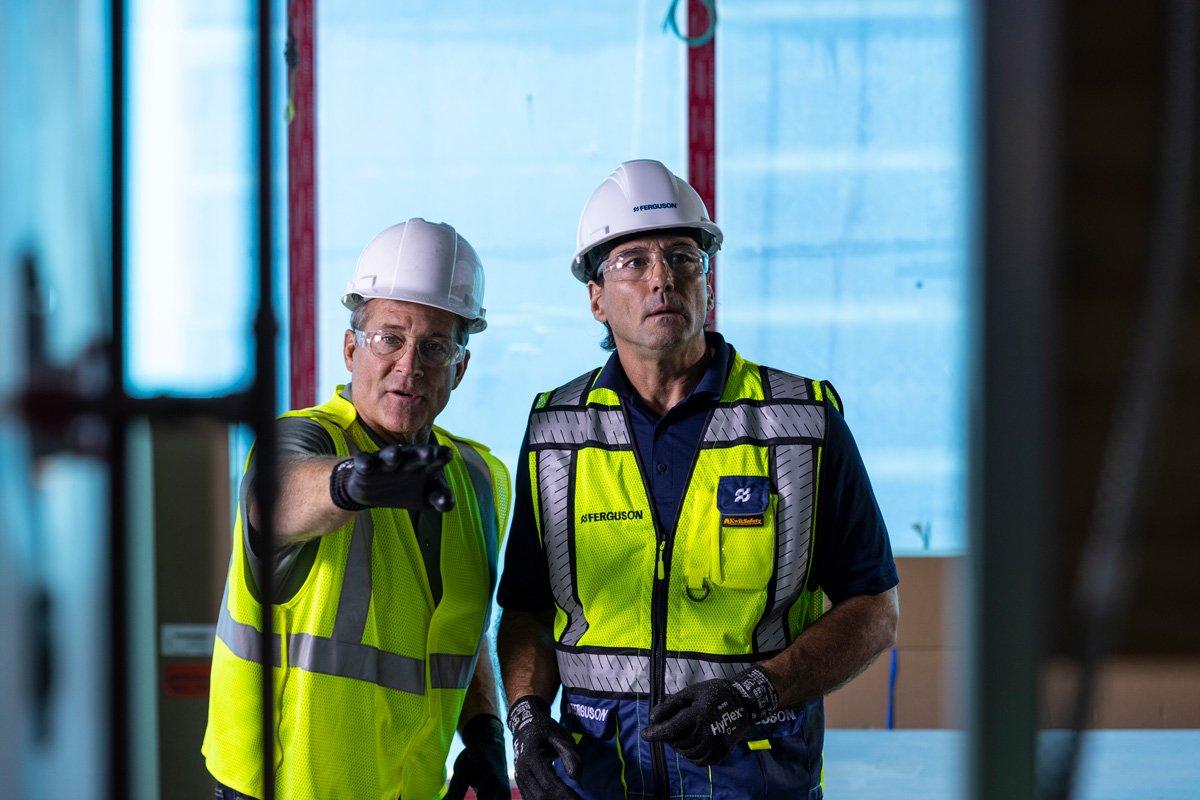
{"x": 682, "y": 515}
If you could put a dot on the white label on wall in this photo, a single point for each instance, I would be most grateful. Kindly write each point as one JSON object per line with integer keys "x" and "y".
{"x": 181, "y": 639}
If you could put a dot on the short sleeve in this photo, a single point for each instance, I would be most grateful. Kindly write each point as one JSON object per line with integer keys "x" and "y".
{"x": 296, "y": 438}
{"x": 852, "y": 552}
{"x": 525, "y": 583}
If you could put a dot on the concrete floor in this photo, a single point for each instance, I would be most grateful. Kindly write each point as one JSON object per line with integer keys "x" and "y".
{"x": 1117, "y": 764}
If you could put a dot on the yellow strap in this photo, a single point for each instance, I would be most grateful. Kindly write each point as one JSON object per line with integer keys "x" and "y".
{"x": 455, "y": 436}
{"x": 337, "y": 408}
{"x": 827, "y": 387}
{"x": 759, "y": 744}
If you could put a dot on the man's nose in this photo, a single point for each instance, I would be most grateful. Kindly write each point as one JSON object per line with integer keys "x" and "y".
{"x": 407, "y": 361}
{"x": 660, "y": 277}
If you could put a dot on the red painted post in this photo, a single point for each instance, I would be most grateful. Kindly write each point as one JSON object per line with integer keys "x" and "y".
{"x": 702, "y": 120}
{"x": 302, "y": 203}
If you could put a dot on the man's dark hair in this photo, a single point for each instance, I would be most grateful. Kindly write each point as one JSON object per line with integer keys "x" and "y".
{"x": 608, "y": 342}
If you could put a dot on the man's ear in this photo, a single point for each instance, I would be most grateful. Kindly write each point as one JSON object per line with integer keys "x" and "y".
{"x": 349, "y": 344}
{"x": 595, "y": 293}
{"x": 460, "y": 369}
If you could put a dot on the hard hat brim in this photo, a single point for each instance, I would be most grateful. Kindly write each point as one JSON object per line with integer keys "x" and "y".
{"x": 474, "y": 325}
{"x": 579, "y": 265}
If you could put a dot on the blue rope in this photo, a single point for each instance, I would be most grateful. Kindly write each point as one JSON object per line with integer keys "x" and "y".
{"x": 669, "y": 24}
{"x": 893, "y": 672}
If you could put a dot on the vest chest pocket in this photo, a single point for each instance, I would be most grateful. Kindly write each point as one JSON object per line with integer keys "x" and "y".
{"x": 745, "y": 544}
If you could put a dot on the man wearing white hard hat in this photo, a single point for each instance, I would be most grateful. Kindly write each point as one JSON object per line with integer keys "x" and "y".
{"x": 681, "y": 516}
{"x": 388, "y": 529}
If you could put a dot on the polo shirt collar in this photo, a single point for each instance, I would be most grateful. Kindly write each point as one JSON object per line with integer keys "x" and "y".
{"x": 710, "y": 387}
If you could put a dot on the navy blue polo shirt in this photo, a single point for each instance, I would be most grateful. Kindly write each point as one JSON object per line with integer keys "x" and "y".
{"x": 853, "y": 555}
{"x": 667, "y": 445}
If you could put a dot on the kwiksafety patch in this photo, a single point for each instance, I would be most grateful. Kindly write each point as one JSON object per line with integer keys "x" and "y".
{"x": 742, "y": 500}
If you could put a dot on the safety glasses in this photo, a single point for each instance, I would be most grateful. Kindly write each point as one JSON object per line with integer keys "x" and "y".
{"x": 635, "y": 263}
{"x": 434, "y": 353}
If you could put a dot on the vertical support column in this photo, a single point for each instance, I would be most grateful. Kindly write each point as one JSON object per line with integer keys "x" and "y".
{"x": 302, "y": 202}
{"x": 702, "y": 117}
{"x": 1012, "y": 480}
{"x": 263, "y": 392}
{"x": 118, "y": 676}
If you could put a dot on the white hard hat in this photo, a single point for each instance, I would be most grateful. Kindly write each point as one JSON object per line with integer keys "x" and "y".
{"x": 421, "y": 262}
{"x": 640, "y": 196}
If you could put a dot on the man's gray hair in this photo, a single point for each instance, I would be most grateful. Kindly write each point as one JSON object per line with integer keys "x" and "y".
{"x": 358, "y": 319}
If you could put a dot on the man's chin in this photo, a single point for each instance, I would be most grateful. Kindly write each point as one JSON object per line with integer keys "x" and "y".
{"x": 402, "y": 425}
{"x": 672, "y": 319}
{"x": 662, "y": 335}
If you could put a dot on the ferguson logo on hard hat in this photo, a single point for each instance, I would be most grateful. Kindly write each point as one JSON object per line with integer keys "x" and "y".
{"x": 615, "y": 210}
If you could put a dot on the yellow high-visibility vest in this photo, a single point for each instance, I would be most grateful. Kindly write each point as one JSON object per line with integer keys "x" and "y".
{"x": 729, "y": 586}
{"x": 369, "y": 676}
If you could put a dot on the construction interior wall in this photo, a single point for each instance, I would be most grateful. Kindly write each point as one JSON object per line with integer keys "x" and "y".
{"x": 192, "y": 540}
{"x": 1137, "y": 690}
{"x": 1112, "y": 78}
{"x": 1112, "y": 82}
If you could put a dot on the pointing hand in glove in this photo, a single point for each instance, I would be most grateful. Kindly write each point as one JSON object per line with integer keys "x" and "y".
{"x": 398, "y": 476}
{"x": 704, "y": 721}
{"x": 537, "y": 741}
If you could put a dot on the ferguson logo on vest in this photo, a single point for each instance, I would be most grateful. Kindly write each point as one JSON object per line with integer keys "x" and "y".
{"x": 611, "y": 516}
{"x": 589, "y": 712}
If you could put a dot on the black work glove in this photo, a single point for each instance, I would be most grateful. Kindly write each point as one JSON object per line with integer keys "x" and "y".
{"x": 398, "y": 476}
{"x": 481, "y": 765}
{"x": 704, "y": 721}
{"x": 537, "y": 741}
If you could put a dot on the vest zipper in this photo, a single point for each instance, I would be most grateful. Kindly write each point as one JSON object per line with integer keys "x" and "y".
{"x": 658, "y": 600}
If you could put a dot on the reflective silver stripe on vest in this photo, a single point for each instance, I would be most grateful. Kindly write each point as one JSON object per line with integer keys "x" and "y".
{"x": 785, "y": 386}
{"x": 481, "y": 479}
{"x": 244, "y": 641}
{"x": 359, "y": 661}
{"x": 683, "y": 672}
{"x": 795, "y": 468}
{"x": 601, "y": 672}
{"x": 355, "y": 598}
{"x": 554, "y": 489}
{"x": 450, "y": 672}
{"x": 389, "y": 670}
{"x": 572, "y": 393}
{"x": 766, "y": 422}
{"x": 630, "y": 674}
{"x": 596, "y": 426}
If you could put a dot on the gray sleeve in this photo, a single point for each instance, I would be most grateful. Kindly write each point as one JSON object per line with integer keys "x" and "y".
{"x": 296, "y": 438}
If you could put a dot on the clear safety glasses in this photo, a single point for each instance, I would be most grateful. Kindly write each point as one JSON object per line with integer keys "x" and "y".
{"x": 433, "y": 353}
{"x": 634, "y": 264}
